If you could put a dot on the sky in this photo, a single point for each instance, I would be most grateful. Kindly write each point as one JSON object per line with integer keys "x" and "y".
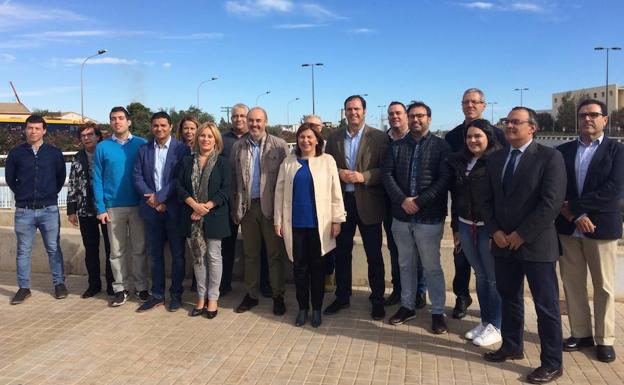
{"x": 429, "y": 50}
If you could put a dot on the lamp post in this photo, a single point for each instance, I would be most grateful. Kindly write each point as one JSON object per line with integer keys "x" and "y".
{"x": 312, "y": 65}
{"x": 201, "y": 84}
{"x": 381, "y": 107}
{"x": 99, "y": 52}
{"x": 288, "y": 110}
{"x": 607, "y": 82}
{"x": 521, "y": 90}
{"x": 264, "y": 93}
{"x": 492, "y": 110}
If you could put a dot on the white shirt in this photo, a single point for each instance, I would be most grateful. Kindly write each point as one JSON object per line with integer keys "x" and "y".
{"x": 121, "y": 141}
{"x": 160, "y": 156}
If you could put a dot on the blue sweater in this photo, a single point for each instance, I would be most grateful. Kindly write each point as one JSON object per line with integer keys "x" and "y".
{"x": 113, "y": 183}
{"x": 35, "y": 179}
{"x": 303, "y": 204}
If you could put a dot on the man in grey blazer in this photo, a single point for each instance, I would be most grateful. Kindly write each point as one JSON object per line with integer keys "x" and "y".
{"x": 359, "y": 152}
{"x": 522, "y": 197}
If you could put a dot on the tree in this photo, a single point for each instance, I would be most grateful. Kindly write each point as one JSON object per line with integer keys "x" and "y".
{"x": 545, "y": 121}
{"x": 224, "y": 126}
{"x": 140, "y": 116}
{"x": 566, "y": 114}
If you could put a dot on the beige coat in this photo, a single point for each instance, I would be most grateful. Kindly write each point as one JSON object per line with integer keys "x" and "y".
{"x": 327, "y": 195}
{"x": 273, "y": 150}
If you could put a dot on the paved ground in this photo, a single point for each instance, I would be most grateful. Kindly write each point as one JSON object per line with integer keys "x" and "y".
{"x": 76, "y": 341}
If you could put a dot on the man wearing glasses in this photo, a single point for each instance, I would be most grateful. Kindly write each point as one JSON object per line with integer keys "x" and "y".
{"x": 473, "y": 104}
{"x": 589, "y": 227}
{"x": 522, "y": 196}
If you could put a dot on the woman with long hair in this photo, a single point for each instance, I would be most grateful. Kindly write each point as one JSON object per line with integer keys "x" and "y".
{"x": 187, "y": 129}
{"x": 308, "y": 212}
{"x": 204, "y": 185}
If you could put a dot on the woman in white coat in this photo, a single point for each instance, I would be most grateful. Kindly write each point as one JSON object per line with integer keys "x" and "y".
{"x": 308, "y": 213}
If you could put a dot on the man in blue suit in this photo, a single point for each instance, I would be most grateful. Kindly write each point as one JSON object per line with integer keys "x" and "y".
{"x": 154, "y": 178}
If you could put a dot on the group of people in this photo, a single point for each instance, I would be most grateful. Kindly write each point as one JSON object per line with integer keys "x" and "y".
{"x": 516, "y": 207}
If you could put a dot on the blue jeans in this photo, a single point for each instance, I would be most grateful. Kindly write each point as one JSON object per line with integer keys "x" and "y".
{"x": 158, "y": 231}
{"x": 482, "y": 261}
{"x": 418, "y": 241}
{"x": 48, "y": 222}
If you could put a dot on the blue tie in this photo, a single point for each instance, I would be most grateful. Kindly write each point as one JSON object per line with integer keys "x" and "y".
{"x": 509, "y": 170}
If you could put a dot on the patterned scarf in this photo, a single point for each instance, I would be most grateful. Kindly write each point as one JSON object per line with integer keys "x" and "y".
{"x": 199, "y": 181}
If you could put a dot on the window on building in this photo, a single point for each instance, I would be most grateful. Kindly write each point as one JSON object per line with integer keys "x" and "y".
{"x": 610, "y": 93}
{"x": 595, "y": 95}
{"x": 555, "y": 100}
{"x": 602, "y": 94}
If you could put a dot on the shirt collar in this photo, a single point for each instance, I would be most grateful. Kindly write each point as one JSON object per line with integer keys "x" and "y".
{"x": 254, "y": 143}
{"x": 521, "y": 148}
{"x": 595, "y": 142}
{"x": 116, "y": 139}
{"x": 359, "y": 133}
{"x": 165, "y": 146}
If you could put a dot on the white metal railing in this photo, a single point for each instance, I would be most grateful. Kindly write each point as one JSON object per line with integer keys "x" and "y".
{"x": 8, "y": 202}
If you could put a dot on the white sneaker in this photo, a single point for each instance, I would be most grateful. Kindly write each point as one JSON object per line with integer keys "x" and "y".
{"x": 475, "y": 332}
{"x": 489, "y": 336}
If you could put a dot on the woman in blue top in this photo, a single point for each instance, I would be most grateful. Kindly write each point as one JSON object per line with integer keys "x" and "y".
{"x": 308, "y": 213}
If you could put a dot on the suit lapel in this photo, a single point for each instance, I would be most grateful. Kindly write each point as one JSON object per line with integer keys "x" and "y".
{"x": 594, "y": 165}
{"x": 523, "y": 166}
{"x": 151, "y": 164}
{"x": 362, "y": 148}
{"x": 170, "y": 159}
{"x": 569, "y": 158}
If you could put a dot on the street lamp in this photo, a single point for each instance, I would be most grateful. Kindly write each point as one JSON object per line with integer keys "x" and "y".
{"x": 99, "y": 52}
{"x": 288, "y": 110}
{"x": 264, "y": 93}
{"x": 381, "y": 107}
{"x": 312, "y": 65}
{"x": 521, "y": 90}
{"x": 201, "y": 84}
{"x": 607, "y": 82}
{"x": 492, "y": 109}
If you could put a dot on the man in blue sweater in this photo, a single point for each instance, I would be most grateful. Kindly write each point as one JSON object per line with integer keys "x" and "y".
{"x": 117, "y": 203}
{"x": 35, "y": 172}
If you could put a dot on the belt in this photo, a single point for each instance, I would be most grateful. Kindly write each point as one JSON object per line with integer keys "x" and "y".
{"x": 32, "y": 206}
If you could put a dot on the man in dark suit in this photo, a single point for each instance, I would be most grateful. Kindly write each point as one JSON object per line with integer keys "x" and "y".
{"x": 155, "y": 180}
{"x": 359, "y": 152}
{"x": 589, "y": 227}
{"x": 522, "y": 197}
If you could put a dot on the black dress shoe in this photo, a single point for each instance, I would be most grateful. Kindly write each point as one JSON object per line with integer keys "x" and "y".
{"x": 246, "y": 304}
{"x": 197, "y": 312}
{"x": 501, "y": 355}
{"x": 421, "y": 301}
{"x": 60, "y": 291}
{"x": 393, "y": 298}
{"x": 573, "y": 344}
{"x": 438, "y": 324}
{"x": 378, "y": 312}
{"x": 335, "y": 307}
{"x": 605, "y": 353}
{"x": 543, "y": 375}
{"x": 279, "y": 307}
{"x": 150, "y": 304}
{"x": 302, "y": 317}
{"x": 461, "y": 305}
{"x": 316, "y": 318}
{"x": 210, "y": 314}
{"x": 20, "y": 296}
{"x": 90, "y": 292}
{"x": 401, "y": 316}
{"x": 175, "y": 304}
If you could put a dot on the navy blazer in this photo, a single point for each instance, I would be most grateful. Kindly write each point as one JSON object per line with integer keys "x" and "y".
{"x": 530, "y": 206}
{"x": 602, "y": 190}
{"x": 144, "y": 178}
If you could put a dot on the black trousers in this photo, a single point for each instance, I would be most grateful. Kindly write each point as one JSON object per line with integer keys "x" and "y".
{"x": 228, "y": 254}
{"x": 90, "y": 228}
{"x": 542, "y": 279}
{"x": 308, "y": 268}
{"x": 371, "y": 237}
{"x": 461, "y": 281}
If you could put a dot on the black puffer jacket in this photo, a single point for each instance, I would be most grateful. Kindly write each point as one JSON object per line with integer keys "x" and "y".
{"x": 467, "y": 190}
{"x": 434, "y": 177}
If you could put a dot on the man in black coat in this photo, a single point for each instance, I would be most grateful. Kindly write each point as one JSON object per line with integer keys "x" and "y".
{"x": 522, "y": 197}
{"x": 473, "y": 104}
{"x": 589, "y": 227}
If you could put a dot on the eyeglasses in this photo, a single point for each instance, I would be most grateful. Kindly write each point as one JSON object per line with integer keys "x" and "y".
{"x": 89, "y": 135}
{"x": 467, "y": 102}
{"x": 513, "y": 122}
{"x": 418, "y": 116}
{"x": 593, "y": 115}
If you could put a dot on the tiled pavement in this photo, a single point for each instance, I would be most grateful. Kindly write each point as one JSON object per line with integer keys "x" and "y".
{"x": 77, "y": 341}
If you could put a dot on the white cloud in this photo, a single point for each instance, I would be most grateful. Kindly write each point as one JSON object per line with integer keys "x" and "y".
{"x": 166, "y": 65}
{"x": 319, "y": 12}
{"x": 52, "y": 35}
{"x": 195, "y": 36}
{"x": 6, "y": 58}
{"x": 98, "y": 60}
{"x": 526, "y": 7}
{"x": 42, "y": 91}
{"x": 257, "y": 7}
{"x": 149, "y": 63}
{"x": 20, "y": 14}
{"x": 297, "y": 26}
{"x": 478, "y": 5}
{"x": 359, "y": 31}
